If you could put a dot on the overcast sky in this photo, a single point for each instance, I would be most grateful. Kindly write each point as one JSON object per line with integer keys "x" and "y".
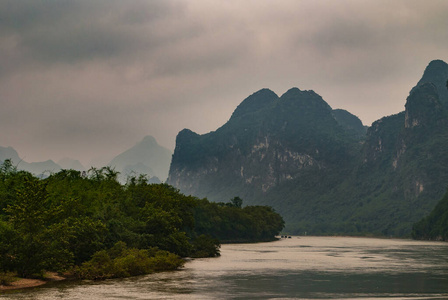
{"x": 89, "y": 79}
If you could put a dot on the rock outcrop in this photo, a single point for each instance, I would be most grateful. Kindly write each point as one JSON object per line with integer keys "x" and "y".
{"x": 319, "y": 167}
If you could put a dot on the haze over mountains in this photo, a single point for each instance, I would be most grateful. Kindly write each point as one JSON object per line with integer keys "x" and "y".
{"x": 318, "y": 167}
{"x": 146, "y": 157}
{"x": 37, "y": 168}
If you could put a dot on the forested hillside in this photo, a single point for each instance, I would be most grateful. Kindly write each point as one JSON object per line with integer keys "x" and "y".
{"x": 319, "y": 167}
{"x": 435, "y": 225}
{"x": 94, "y": 227}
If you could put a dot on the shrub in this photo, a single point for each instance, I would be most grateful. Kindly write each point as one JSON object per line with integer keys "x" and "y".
{"x": 166, "y": 261}
{"x": 6, "y": 278}
{"x": 120, "y": 261}
{"x": 205, "y": 246}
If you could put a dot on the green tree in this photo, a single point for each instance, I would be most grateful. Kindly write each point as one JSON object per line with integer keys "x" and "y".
{"x": 70, "y": 220}
{"x": 8, "y": 238}
{"x": 40, "y": 244}
{"x": 435, "y": 225}
{"x": 237, "y": 202}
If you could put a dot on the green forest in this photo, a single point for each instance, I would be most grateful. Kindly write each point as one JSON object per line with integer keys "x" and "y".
{"x": 435, "y": 225}
{"x": 88, "y": 225}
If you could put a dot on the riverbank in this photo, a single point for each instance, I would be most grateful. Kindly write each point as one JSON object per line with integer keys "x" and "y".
{"x": 23, "y": 283}
{"x": 305, "y": 267}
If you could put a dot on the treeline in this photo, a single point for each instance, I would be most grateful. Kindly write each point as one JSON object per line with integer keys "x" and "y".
{"x": 435, "y": 225}
{"x": 232, "y": 223}
{"x": 94, "y": 227}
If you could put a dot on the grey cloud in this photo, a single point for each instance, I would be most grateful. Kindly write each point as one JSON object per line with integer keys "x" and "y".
{"x": 70, "y": 31}
{"x": 157, "y": 35}
{"x": 20, "y": 16}
{"x": 363, "y": 41}
{"x": 99, "y": 75}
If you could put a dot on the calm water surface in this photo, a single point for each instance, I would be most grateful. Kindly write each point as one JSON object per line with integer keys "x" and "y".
{"x": 296, "y": 268}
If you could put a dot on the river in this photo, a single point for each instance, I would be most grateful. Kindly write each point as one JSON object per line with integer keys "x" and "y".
{"x": 293, "y": 268}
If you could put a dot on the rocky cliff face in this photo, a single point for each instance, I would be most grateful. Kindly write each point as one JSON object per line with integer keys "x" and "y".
{"x": 319, "y": 167}
{"x": 406, "y": 155}
{"x": 269, "y": 140}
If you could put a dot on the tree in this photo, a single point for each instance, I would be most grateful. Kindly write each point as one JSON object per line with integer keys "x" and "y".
{"x": 40, "y": 243}
{"x": 8, "y": 238}
{"x": 28, "y": 213}
{"x": 7, "y": 168}
{"x": 237, "y": 202}
{"x": 68, "y": 220}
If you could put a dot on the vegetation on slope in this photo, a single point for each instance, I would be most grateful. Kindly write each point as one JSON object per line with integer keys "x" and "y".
{"x": 318, "y": 167}
{"x": 97, "y": 228}
{"x": 435, "y": 225}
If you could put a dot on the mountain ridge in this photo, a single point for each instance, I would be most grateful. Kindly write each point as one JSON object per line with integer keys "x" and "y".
{"x": 132, "y": 162}
{"x": 251, "y": 137}
{"x": 145, "y": 157}
{"x": 320, "y": 168}
{"x": 41, "y": 169}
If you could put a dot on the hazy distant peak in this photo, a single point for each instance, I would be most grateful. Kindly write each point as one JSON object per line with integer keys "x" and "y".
{"x": 146, "y": 157}
{"x": 50, "y": 164}
{"x": 9, "y": 153}
{"x": 149, "y": 140}
{"x": 9, "y": 148}
{"x": 69, "y": 163}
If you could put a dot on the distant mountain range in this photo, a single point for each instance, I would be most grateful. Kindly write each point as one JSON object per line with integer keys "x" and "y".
{"x": 40, "y": 169}
{"x": 71, "y": 164}
{"x": 146, "y": 157}
{"x": 320, "y": 168}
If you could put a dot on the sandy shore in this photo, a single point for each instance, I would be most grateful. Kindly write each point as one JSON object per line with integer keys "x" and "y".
{"x": 28, "y": 283}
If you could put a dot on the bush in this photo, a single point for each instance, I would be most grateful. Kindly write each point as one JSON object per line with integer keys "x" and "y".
{"x": 134, "y": 262}
{"x": 99, "y": 267}
{"x": 205, "y": 246}
{"x": 120, "y": 261}
{"x": 166, "y": 261}
{"x": 6, "y": 278}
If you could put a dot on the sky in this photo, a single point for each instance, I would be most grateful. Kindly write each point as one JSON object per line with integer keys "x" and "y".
{"x": 89, "y": 79}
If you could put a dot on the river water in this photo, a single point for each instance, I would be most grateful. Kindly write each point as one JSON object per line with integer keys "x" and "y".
{"x": 294, "y": 268}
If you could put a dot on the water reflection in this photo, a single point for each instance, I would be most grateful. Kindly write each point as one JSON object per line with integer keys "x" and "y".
{"x": 297, "y": 268}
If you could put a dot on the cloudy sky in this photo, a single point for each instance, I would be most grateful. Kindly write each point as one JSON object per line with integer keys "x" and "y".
{"x": 89, "y": 79}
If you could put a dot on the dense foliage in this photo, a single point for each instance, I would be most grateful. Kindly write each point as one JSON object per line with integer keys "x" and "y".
{"x": 120, "y": 261}
{"x": 435, "y": 225}
{"x": 107, "y": 229}
{"x": 231, "y": 223}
